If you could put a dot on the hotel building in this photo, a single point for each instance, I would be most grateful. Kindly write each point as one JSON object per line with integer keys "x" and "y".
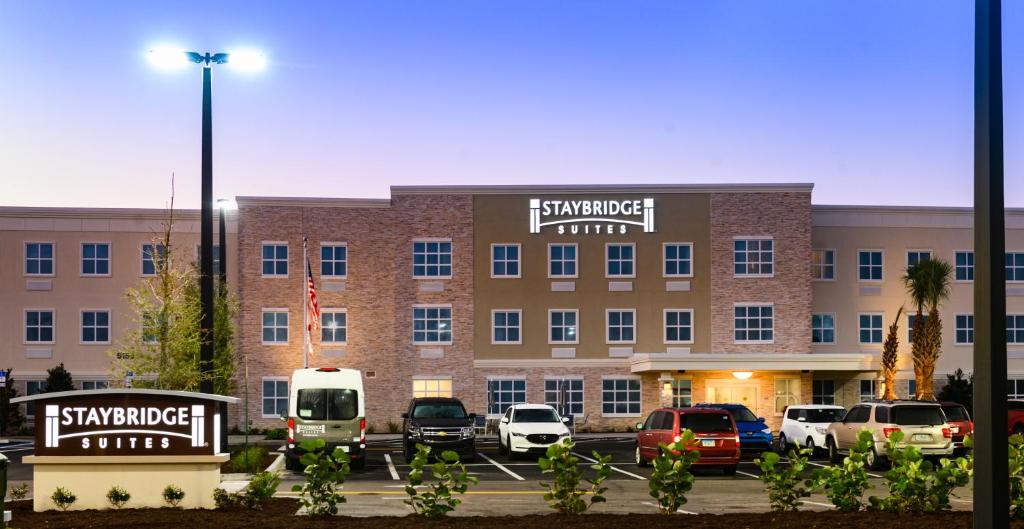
{"x": 611, "y": 300}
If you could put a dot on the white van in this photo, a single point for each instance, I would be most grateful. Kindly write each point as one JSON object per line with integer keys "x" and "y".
{"x": 326, "y": 403}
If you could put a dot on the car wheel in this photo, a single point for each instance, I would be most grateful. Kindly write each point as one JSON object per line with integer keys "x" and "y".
{"x": 833, "y": 451}
{"x": 810, "y": 446}
{"x": 508, "y": 448}
{"x": 358, "y": 463}
{"x": 781, "y": 446}
{"x": 871, "y": 460}
{"x": 639, "y": 459}
{"x": 730, "y": 470}
{"x": 1018, "y": 429}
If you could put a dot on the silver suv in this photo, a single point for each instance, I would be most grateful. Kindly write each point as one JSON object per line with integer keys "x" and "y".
{"x": 923, "y": 425}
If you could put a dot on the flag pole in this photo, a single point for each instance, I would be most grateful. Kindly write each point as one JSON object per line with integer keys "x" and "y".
{"x": 305, "y": 305}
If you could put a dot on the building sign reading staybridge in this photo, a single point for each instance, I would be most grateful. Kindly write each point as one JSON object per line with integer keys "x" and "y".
{"x": 585, "y": 217}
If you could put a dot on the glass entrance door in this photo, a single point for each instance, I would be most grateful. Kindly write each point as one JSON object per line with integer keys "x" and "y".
{"x": 731, "y": 392}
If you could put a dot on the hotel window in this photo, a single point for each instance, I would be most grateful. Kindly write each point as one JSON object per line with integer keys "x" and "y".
{"x": 94, "y": 384}
{"x": 334, "y": 260}
{"x": 869, "y": 265}
{"x": 867, "y": 390}
{"x": 432, "y": 325}
{"x": 148, "y": 252}
{"x": 1015, "y": 266}
{"x": 334, "y": 326}
{"x": 787, "y": 393}
{"x": 1015, "y": 388}
{"x": 678, "y": 259}
{"x": 753, "y": 324}
{"x": 275, "y": 396}
{"x": 275, "y": 259}
{"x": 39, "y": 326}
{"x": 620, "y": 396}
{"x": 619, "y": 260}
{"x": 964, "y": 266}
{"x": 678, "y": 326}
{"x": 506, "y": 325}
{"x": 911, "y": 322}
{"x": 432, "y": 259}
{"x": 916, "y": 256}
{"x": 216, "y": 257}
{"x": 505, "y": 260}
{"x": 682, "y": 393}
{"x": 95, "y": 326}
{"x": 753, "y": 257}
{"x": 823, "y": 392}
{"x": 565, "y": 395}
{"x": 870, "y": 328}
{"x": 621, "y": 325}
{"x": 33, "y": 387}
{"x": 562, "y": 260}
{"x": 504, "y": 392}
{"x": 95, "y": 259}
{"x": 275, "y": 327}
{"x": 823, "y": 265}
{"x": 431, "y": 388}
{"x": 965, "y": 329}
{"x": 562, "y": 326}
{"x": 39, "y": 258}
{"x": 823, "y": 328}
{"x": 1015, "y": 329}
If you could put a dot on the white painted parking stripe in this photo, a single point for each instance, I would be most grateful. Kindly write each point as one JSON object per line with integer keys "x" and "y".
{"x": 958, "y": 500}
{"x": 617, "y": 469}
{"x": 391, "y": 467}
{"x": 502, "y": 467}
{"x": 680, "y": 511}
{"x": 819, "y": 504}
{"x": 755, "y": 476}
{"x": 826, "y": 466}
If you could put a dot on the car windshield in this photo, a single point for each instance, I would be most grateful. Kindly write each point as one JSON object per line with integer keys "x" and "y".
{"x": 535, "y": 415}
{"x": 913, "y": 415}
{"x": 742, "y": 415}
{"x": 706, "y": 422}
{"x": 328, "y": 404}
{"x": 956, "y": 413}
{"x": 438, "y": 410}
{"x": 825, "y": 415}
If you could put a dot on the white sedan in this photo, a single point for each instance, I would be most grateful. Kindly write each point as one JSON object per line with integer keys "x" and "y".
{"x": 530, "y": 428}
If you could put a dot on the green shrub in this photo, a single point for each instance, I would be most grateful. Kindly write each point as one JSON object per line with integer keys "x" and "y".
{"x": 564, "y": 494}
{"x": 249, "y": 460}
{"x": 1016, "y": 461}
{"x": 173, "y": 495}
{"x": 63, "y": 498}
{"x": 915, "y": 485}
{"x": 324, "y": 475}
{"x": 261, "y": 488}
{"x": 117, "y": 497}
{"x": 845, "y": 483}
{"x": 19, "y": 492}
{"x": 785, "y": 485}
{"x": 276, "y": 434}
{"x": 223, "y": 499}
{"x": 394, "y": 427}
{"x": 671, "y": 478}
{"x": 449, "y": 476}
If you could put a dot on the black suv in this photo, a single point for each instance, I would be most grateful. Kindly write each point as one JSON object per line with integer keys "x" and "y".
{"x": 440, "y": 423}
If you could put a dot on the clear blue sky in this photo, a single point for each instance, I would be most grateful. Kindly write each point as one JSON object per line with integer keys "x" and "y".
{"x": 869, "y": 99}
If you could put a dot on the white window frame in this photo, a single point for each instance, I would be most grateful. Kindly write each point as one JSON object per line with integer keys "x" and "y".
{"x": 971, "y": 267}
{"x": 518, "y": 261}
{"x": 53, "y": 259}
{"x": 81, "y": 326}
{"x": 957, "y": 329}
{"x": 275, "y": 260}
{"x": 677, "y": 393}
{"x": 822, "y": 394}
{"x": 1015, "y": 316}
{"x": 142, "y": 259}
{"x": 550, "y": 327}
{"x": 664, "y": 327}
{"x": 1015, "y": 267}
{"x": 748, "y": 305}
{"x": 664, "y": 258}
{"x": 835, "y": 334}
{"x": 513, "y": 380}
{"x": 325, "y": 244}
{"x": 1018, "y": 386}
{"x": 94, "y": 381}
{"x": 429, "y": 240}
{"x": 287, "y": 326}
{"x": 24, "y": 326}
{"x": 437, "y": 391}
{"x": 276, "y": 397}
{"x": 640, "y": 401}
{"x": 323, "y": 326}
{"x": 142, "y": 329}
{"x": 575, "y": 261}
{"x": 748, "y": 238}
{"x": 608, "y": 261}
{"x": 608, "y": 327}
{"x": 931, "y": 254}
{"x": 775, "y": 393}
{"x": 881, "y": 328}
{"x": 451, "y": 322}
{"x": 822, "y": 266}
{"x": 874, "y": 389}
{"x": 881, "y": 278}
{"x": 494, "y": 326}
{"x": 81, "y": 259}
{"x": 582, "y": 393}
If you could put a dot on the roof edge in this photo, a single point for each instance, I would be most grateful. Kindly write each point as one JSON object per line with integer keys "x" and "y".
{"x": 323, "y": 202}
{"x": 96, "y": 213}
{"x": 601, "y": 189}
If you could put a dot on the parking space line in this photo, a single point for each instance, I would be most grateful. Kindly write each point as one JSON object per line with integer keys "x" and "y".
{"x": 748, "y": 474}
{"x": 391, "y": 467}
{"x": 680, "y": 511}
{"x": 826, "y": 466}
{"x": 615, "y": 468}
{"x": 958, "y": 500}
{"x": 502, "y": 467}
{"x": 819, "y": 504}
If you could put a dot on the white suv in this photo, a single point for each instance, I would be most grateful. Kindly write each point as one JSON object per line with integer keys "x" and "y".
{"x": 806, "y": 425}
{"x": 530, "y": 428}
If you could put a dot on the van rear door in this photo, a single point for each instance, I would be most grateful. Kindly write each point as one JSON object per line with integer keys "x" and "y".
{"x": 331, "y": 414}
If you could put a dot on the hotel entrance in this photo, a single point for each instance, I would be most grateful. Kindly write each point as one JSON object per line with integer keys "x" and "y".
{"x": 725, "y": 391}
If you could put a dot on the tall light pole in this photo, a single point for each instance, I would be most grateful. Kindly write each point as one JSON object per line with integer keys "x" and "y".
{"x": 167, "y": 57}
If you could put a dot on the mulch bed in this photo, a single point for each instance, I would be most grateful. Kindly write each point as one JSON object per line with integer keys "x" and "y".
{"x": 280, "y": 513}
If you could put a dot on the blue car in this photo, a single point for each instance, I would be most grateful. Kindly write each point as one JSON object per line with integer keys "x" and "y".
{"x": 754, "y": 433}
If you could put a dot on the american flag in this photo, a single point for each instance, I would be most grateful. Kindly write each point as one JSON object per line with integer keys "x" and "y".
{"x": 312, "y": 307}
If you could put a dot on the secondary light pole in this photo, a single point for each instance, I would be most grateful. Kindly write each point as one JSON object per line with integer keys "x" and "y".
{"x": 223, "y": 205}
{"x": 167, "y": 57}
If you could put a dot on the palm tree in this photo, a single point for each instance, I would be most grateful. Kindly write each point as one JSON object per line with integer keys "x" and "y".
{"x": 928, "y": 284}
{"x": 890, "y": 357}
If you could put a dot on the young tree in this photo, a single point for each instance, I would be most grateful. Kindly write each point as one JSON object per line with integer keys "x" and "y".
{"x": 58, "y": 379}
{"x": 890, "y": 357}
{"x": 928, "y": 284}
{"x": 960, "y": 389}
{"x": 14, "y": 421}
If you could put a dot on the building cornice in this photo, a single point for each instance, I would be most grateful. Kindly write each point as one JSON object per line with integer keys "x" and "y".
{"x": 904, "y": 217}
{"x": 315, "y": 202}
{"x": 601, "y": 189}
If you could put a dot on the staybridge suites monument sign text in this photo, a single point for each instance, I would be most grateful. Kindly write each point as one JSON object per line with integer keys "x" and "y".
{"x": 585, "y": 217}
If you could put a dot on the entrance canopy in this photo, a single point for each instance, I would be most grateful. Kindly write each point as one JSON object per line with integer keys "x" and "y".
{"x": 647, "y": 362}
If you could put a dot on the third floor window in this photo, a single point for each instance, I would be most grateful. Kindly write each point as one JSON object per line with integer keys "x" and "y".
{"x": 869, "y": 265}
{"x": 753, "y": 257}
{"x": 823, "y": 265}
{"x": 432, "y": 259}
{"x": 275, "y": 259}
{"x": 95, "y": 259}
{"x": 1015, "y": 266}
{"x": 964, "y": 266}
{"x": 39, "y": 258}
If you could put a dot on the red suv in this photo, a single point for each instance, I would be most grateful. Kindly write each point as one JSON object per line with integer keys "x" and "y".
{"x": 960, "y": 424}
{"x": 718, "y": 440}
{"x": 1014, "y": 417}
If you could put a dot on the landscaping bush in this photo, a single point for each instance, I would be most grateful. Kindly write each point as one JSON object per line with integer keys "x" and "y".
{"x": 63, "y": 498}
{"x": 117, "y": 497}
{"x": 564, "y": 494}
{"x": 671, "y": 478}
{"x": 276, "y": 434}
{"x": 1016, "y": 461}
{"x": 249, "y": 460}
{"x": 324, "y": 474}
{"x": 394, "y": 427}
{"x": 449, "y": 476}
{"x": 844, "y": 484}
{"x": 223, "y": 499}
{"x": 785, "y": 485}
{"x": 173, "y": 495}
{"x": 19, "y": 492}
{"x": 261, "y": 488}
{"x": 915, "y": 485}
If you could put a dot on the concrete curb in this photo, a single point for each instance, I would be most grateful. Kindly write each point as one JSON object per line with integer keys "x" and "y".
{"x": 277, "y": 465}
